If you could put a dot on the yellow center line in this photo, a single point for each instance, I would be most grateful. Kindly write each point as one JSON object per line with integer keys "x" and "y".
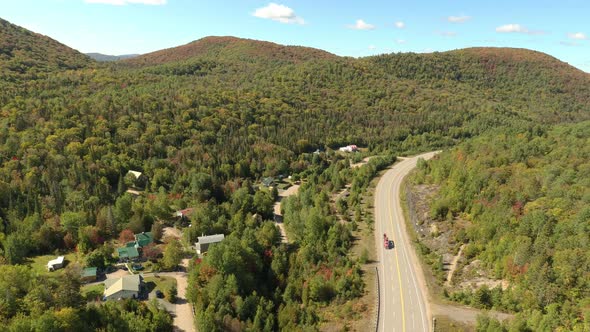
{"x": 399, "y": 276}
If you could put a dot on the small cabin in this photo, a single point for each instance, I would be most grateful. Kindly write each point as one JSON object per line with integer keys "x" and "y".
{"x": 55, "y": 264}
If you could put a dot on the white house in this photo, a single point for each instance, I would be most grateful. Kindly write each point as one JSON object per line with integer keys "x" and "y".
{"x": 127, "y": 287}
{"x": 204, "y": 241}
{"x": 349, "y": 148}
{"x": 55, "y": 264}
{"x": 136, "y": 174}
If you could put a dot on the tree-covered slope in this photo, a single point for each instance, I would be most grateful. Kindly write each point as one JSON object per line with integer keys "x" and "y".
{"x": 525, "y": 194}
{"x": 206, "y": 120}
{"x": 25, "y": 54}
{"x": 234, "y": 48}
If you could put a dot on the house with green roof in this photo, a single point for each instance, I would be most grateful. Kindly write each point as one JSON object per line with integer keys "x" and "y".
{"x": 128, "y": 253}
{"x": 88, "y": 274}
{"x": 144, "y": 238}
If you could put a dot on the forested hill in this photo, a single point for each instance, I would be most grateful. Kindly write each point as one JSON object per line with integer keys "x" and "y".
{"x": 25, "y": 54}
{"x": 531, "y": 83}
{"x": 234, "y": 48}
{"x": 203, "y": 123}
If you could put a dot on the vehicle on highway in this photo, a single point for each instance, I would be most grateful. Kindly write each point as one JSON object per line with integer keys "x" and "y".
{"x": 385, "y": 241}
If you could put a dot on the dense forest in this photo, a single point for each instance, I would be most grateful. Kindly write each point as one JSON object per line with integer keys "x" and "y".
{"x": 203, "y": 122}
{"x": 525, "y": 193}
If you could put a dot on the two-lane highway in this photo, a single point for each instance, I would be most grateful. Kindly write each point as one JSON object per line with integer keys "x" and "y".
{"x": 403, "y": 303}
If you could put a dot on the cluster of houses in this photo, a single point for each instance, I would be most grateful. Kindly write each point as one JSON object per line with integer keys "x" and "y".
{"x": 131, "y": 286}
{"x": 131, "y": 250}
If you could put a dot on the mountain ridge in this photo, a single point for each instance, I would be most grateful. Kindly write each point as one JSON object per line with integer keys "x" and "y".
{"x": 23, "y": 52}
{"x": 108, "y": 58}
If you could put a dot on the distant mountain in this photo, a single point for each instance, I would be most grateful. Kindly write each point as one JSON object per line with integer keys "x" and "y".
{"x": 232, "y": 47}
{"x": 108, "y": 58}
{"x": 24, "y": 53}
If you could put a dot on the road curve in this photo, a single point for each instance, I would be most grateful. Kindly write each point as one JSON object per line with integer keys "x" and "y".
{"x": 402, "y": 292}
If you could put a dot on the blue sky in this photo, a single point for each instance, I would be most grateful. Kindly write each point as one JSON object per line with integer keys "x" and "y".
{"x": 346, "y": 27}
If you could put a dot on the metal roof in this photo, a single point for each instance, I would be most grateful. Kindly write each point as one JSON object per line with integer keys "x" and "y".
{"x": 210, "y": 238}
{"x": 126, "y": 283}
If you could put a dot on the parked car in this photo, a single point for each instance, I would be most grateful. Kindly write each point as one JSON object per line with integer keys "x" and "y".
{"x": 159, "y": 294}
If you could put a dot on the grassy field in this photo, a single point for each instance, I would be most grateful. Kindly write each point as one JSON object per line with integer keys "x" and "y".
{"x": 39, "y": 263}
{"x": 92, "y": 292}
{"x": 159, "y": 283}
{"x": 446, "y": 324}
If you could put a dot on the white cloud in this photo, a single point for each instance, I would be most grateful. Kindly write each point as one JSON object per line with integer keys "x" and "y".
{"x": 400, "y": 25}
{"x": 447, "y": 33}
{"x": 568, "y": 43}
{"x": 361, "y": 25}
{"x": 512, "y": 28}
{"x": 458, "y": 19}
{"x": 400, "y": 41}
{"x": 517, "y": 28}
{"x": 126, "y": 2}
{"x": 577, "y": 35}
{"x": 278, "y": 13}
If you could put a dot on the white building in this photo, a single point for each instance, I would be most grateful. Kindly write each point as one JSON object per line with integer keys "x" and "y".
{"x": 349, "y": 148}
{"x": 55, "y": 264}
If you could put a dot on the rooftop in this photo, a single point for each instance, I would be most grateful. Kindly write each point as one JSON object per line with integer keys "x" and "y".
{"x": 210, "y": 238}
{"x": 89, "y": 272}
{"x": 135, "y": 173}
{"x": 128, "y": 252}
{"x": 143, "y": 239}
{"x": 128, "y": 283}
{"x": 58, "y": 260}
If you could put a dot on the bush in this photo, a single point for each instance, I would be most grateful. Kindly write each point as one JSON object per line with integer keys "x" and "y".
{"x": 171, "y": 294}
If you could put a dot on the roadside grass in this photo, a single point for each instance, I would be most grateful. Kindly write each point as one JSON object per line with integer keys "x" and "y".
{"x": 39, "y": 263}
{"x": 92, "y": 292}
{"x": 447, "y": 324}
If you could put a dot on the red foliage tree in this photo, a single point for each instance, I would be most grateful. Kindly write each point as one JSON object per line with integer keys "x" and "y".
{"x": 151, "y": 252}
{"x": 126, "y": 235}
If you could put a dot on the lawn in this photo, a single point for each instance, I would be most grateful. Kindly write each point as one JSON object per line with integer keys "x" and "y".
{"x": 92, "y": 292}
{"x": 39, "y": 263}
{"x": 159, "y": 282}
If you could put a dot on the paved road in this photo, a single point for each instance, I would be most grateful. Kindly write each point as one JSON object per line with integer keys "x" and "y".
{"x": 403, "y": 302}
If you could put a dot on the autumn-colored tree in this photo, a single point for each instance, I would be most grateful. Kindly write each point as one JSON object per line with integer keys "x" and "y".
{"x": 151, "y": 252}
{"x": 126, "y": 235}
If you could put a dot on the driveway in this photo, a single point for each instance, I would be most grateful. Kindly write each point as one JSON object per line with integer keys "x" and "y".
{"x": 182, "y": 310}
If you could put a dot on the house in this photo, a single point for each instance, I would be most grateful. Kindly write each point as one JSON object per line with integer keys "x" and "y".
{"x": 88, "y": 274}
{"x": 136, "y": 179}
{"x": 55, "y": 264}
{"x": 128, "y": 253}
{"x": 127, "y": 287}
{"x": 204, "y": 241}
{"x": 183, "y": 213}
{"x": 267, "y": 182}
{"x": 143, "y": 239}
{"x": 349, "y": 148}
{"x": 136, "y": 174}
